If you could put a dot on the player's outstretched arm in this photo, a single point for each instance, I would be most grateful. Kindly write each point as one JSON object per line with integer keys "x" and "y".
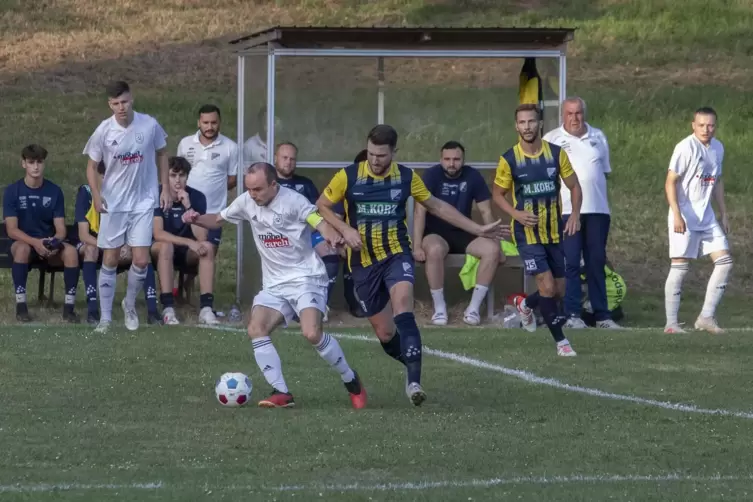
{"x": 442, "y": 210}
{"x": 208, "y": 221}
{"x": 330, "y": 234}
{"x": 718, "y": 194}
{"x": 670, "y": 188}
{"x": 333, "y": 194}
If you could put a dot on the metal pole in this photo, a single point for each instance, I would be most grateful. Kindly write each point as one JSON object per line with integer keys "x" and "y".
{"x": 271, "y": 103}
{"x": 239, "y": 188}
{"x": 412, "y": 53}
{"x": 380, "y": 93}
{"x": 562, "y": 84}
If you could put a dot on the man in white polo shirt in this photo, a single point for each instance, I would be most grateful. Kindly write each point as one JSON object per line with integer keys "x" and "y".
{"x": 588, "y": 150}
{"x": 693, "y": 178}
{"x": 214, "y": 163}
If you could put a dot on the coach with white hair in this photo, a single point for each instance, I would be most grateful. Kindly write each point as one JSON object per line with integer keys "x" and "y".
{"x": 588, "y": 150}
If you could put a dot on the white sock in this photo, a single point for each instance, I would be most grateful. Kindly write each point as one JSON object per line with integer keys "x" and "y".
{"x": 106, "y": 285}
{"x": 437, "y": 295}
{"x": 331, "y": 352}
{"x": 136, "y": 277}
{"x": 717, "y": 285}
{"x": 479, "y": 293}
{"x": 269, "y": 362}
{"x": 563, "y": 342}
{"x": 673, "y": 290}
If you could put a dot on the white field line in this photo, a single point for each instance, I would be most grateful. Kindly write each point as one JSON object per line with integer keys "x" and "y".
{"x": 550, "y": 382}
{"x": 529, "y": 480}
{"x": 53, "y": 487}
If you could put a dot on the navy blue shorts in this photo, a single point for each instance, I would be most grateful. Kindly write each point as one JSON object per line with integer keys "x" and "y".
{"x": 316, "y": 238}
{"x": 538, "y": 258}
{"x": 215, "y": 236}
{"x": 373, "y": 283}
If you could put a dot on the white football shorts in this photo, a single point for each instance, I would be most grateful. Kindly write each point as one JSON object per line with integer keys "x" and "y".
{"x": 289, "y": 300}
{"x": 133, "y": 228}
{"x": 689, "y": 244}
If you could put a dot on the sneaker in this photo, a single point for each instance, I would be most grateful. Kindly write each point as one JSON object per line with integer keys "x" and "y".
{"x": 575, "y": 322}
{"x": 527, "y": 321}
{"x": 130, "y": 315}
{"x": 169, "y": 318}
{"x": 22, "y": 315}
{"x": 71, "y": 317}
{"x": 415, "y": 393}
{"x": 565, "y": 350}
{"x": 207, "y": 316}
{"x": 278, "y": 400}
{"x": 92, "y": 318}
{"x": 471, "y": 318}
{"x": 608, "y": 324}
{"x": 674, "y": 329}
{"x": 103, "y": 327}
{"x": 708, "y": 324}
{"x": 357, "y": 392}
{"x": 154, "y": 318}
{"x": 439, "y": 318}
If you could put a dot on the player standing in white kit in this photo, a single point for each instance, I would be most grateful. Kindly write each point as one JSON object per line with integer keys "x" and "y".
{"x": 694, "y": 177}
{"x": 131, "y": 145}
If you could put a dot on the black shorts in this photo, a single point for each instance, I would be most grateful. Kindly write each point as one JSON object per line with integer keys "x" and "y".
{"x": 538, "y": 258}
{"x": 180, "y": 256}
{"x": 457, "y": 240}
{"x": 215, "y": 236}
{"x": 372, "y": 284}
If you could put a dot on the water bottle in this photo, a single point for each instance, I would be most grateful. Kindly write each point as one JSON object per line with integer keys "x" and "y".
{"x": 235, "y": 314}
{"x": 510, "y": 317}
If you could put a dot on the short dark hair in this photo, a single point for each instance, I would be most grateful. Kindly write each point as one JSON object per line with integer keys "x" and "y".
{"x": 362, "y": 155}
{"x": 705, "y": 110}
{"x": 117, "y": 88}
{"x": 286, "y": 143}
{"x": 101, "y": 167}
{"x": 34, "y": 152}
{"x": 383, "y": 134}
{"x": 269, "y": 170}
{"x": 179, "y": 165}
{"x": 528, "y": 107}
{"x": 209, "y": 109}
{"x": 451, "y": 145}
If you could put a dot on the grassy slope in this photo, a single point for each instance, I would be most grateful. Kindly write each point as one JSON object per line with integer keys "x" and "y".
{"x": 641, "y": 65}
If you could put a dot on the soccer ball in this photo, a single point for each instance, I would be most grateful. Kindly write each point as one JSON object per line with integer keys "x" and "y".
{"x": 233, "y": 389}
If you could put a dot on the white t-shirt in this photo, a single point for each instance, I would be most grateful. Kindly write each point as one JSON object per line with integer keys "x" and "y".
{"x": 589, "y": 156}
{"x": 131, "y": 181}
{"x": 699, "y": 168}
{"x": 254, "y": 150}
{"x": 282, "y": 236}
{"x": 210, "y": 167}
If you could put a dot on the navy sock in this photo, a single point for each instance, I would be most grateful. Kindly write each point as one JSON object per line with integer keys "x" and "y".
{"x": 349, "y": 289}
{"x": 332, "y": 264}
{"x": 20, "y": 272}
{"x": 70, "y": 280}
{"x": 90, "y": 285}
{"x": 206, "y": 300}
{"x": 411, "y": 344}
{"x": 393, "y": 348}
{"x": 532, "y": 300}
{"x": 150, "y": 290}
{"x": 167, "y": 300}
{"x": 552, "y": 316}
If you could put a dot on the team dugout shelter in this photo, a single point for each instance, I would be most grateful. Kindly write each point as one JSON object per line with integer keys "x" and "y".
{"x": 324, "y": 88}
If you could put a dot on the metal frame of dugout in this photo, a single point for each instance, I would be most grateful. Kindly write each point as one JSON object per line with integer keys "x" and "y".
{"x": 374, "y": 42}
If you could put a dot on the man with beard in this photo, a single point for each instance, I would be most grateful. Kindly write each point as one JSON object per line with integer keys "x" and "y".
{"x": 433, "y": 239}
{"x": 531, "y": 170}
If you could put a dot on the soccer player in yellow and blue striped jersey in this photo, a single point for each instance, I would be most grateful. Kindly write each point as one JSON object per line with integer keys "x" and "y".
{"x": 531, "y": 170}
{"x": 375, "y": 193}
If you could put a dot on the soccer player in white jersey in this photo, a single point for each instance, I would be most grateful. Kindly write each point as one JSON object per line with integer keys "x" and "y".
{"x": 293, "y": 276}
{"x": 131, "y": 145}
{"x": 694, "y": 178}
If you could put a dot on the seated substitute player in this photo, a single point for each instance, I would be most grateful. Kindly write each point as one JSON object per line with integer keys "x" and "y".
{"x": 285, "y": 163}
{"x": 87, "y": 220}
{"x": 180, "y": 244}
{"x": 34, "y": 213}
{"x": 293, "y": 276}
{"x": 375, "y": 193}
{"x": 460, "y": 186}
{"x": 531, "y": 170}
{"x": 693, "y": 179}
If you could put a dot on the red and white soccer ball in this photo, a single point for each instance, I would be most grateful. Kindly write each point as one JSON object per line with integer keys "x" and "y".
{"x": 233, "y": 389}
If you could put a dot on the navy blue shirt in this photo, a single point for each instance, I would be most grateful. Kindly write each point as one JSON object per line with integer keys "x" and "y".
{"x": 173, "y": 219}
{"x": 302, "y": 185}
{"x": 35, "y": 208}
{"x": 459, "y": 192}
{"x": 83, "y": 204}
